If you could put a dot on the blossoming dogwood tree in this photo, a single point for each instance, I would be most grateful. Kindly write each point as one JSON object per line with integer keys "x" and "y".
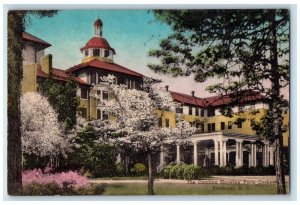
{"x": 134, "y": 117}
{"x": 41, "y": 132}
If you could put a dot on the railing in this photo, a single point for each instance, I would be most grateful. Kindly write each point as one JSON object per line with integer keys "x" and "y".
{"x": 161, "y": 167}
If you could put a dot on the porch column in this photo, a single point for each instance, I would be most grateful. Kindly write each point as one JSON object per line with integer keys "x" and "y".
{"x": 241, "y": 154}
{"x": 195, "y": 153}
{"x": 272, "y": 156}
{"x": 224, "y": 153}
{"x": 178, "y": 154}
{"x": 237, "y": 154}
{"x": 221, "y": 154}
{"x": 267, "y": 155}
{"x": 264, "y": 155}
{"x": 254, "y": 155}
{"x": 162, "y": 155}
{"x": 216, "y": 153}
{"x": 251, "y": 156}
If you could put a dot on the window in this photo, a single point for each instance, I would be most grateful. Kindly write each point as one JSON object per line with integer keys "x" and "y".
{"x": 104, "y": 95}
{"x": 197, "y": 111}
{"x": 167, "y": 122}
{"x": 106, "y": 53}
{"x": 160, "y": 122}
{"x": 229, "y": 125}
{"x": 211, "y": 112}
{"x": 84, "y": 93}
{"x": 179, "y": 110}
{"x": 82, "y": 112}
{"x": 93, "y": 77}
{"x": 98, "y": 114}
{"x": 86, "y": 53}
{"x": 104, "y": 116}
{"x": 211, "y": 127}
{"x": 190, "y": 110}
{"x": 96, "y": 52}
{"x": 222, "y": 125}
{"x": 239, "y": 124}
{"x": 101, "y": 115}
{"x": 202, "y": 113}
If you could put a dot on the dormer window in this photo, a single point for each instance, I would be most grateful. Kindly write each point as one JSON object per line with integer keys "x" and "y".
{"x": 106, "y": 53}
{"x": 96, "y": 52}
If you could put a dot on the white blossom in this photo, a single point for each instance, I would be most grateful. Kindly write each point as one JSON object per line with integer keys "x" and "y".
{"x": 41, "y": 132}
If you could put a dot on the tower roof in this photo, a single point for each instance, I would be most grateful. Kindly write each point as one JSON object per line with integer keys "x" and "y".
{"x": 98, "y": 42}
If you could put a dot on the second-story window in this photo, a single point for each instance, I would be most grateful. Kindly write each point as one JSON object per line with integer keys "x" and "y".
{"x": 239, "y": 124}
{"x": 222, "y": 125}
{"x": 179, "y": 110}
{"x": 160, "y": 122}
{"x": 211, "y": 127}
{"x": 197, "y": 111}
{"x": 167, "y": 123}
{"x": 229, "y": 125}
{"x": 202, "y": 112}
{"x": 211, "y": 112}
{"x": 84, "y": 93}
{"x": 190, "y": 110}
{"x": 104, "y": 95}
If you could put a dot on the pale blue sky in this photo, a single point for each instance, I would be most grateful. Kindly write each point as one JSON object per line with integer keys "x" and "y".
{"x": 132, "y": 33}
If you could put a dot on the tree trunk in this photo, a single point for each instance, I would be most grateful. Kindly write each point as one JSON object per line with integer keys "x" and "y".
{"x": 14, "y": 76}
{"x": 150, "y": 176}
{"x": 275, "y": 108}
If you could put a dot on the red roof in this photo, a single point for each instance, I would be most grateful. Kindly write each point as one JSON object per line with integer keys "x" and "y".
{"x": 32, "y": 38}
{"x": 214, "y": 101}
{"x": 106, "y": 66}
{"x": 98, "y": 22}
{"x": 58, "y": 74}
{"x": 98, "y": 42}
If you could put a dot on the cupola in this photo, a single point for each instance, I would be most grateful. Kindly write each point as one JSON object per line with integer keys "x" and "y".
{"x": 97, "y": 47}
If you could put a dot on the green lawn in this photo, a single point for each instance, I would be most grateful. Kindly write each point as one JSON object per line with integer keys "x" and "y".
{"x": 190, "y": 189}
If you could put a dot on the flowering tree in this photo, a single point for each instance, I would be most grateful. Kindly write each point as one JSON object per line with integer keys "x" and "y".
{"x": 40, "y": 130}
{"x": 135, "y": 116}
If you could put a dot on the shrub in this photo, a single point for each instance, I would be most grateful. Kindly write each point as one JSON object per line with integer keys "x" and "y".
{"x": 166, "y": 172}
{"x": 139, "y": 169}
{"x": 64, "y": 179}
{"x": 193, "y": 172}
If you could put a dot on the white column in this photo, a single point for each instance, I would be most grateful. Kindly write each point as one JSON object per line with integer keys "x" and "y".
{"x": 216, "y": 153}
{"x": 249, "y": 160}
{"x": 224, "y": 153}
{"x": 268, "y": 155}
{"x": 236, "y": 154}
{"x": 162, "y": 155}
{"x": 118, "y": 158}
{"x": 178, "y": 154}
{"x": 254, "y": 156}
{"x": 241, "y": 154}
{"x": 263, "y": 155}
{"x": 195, "y": 153}
{"x": 221, "y": 153}
{"x": 272, "y": 156}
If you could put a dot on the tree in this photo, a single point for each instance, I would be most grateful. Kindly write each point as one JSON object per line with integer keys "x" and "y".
{"x": 245, "y": 49}
{"x": 134, "y": 122}
{"x": 15, "y": 27}
{"x": 62, "y": 97}
{"x": 42, "y": 134}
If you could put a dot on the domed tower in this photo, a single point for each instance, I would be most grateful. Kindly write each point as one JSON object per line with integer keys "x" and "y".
{"x": 97, "y": 47}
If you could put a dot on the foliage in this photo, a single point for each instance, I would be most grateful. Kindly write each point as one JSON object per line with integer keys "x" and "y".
{"x": 139, "y": 169}
{"x": 62, "y": 97}
{"x": 98, "y": 158}
{"x": 246, "y": 49}
{"x": 68, "y": 179}
{"x": 242, "y": 171}
{"x": 40, "y": 129}
{"x": 183, "y": 171}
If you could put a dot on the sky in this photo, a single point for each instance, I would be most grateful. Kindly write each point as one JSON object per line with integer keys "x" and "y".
{"x": 132, "y": 33}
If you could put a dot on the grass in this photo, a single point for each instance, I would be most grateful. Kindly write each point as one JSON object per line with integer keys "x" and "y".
{"x": 190, "y": 189}
{"x": 123, "y": 178}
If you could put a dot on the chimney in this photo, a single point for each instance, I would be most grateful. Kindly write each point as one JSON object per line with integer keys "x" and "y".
{"x": 167, "y": 88}
{"x": 46, "y": 63}
{"x": 193, "y": 93}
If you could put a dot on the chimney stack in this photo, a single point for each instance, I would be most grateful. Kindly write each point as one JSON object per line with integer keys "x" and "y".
{"x": 167, "y": 88}
{"x": 193, "y": 93}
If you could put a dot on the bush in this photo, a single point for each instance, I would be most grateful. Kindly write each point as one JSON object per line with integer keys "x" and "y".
{"x": 166, "y": 172}
{"x": 139, "y": 169}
